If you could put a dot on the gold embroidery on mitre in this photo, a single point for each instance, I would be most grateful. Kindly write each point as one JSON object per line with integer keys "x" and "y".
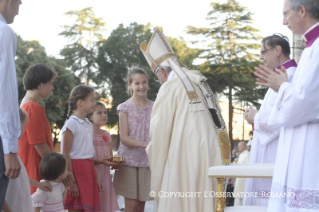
{"x": 148, "y": 57}
{"x": 164, "y": 57}
{"x": 143, "y": 46}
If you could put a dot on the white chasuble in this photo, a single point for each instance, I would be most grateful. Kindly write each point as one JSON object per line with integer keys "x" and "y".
{"x": 240, "y": 182}
{"x": 295, "y": 186}
{"x": 183, "y": 146}
{"x": 264, "y": 145}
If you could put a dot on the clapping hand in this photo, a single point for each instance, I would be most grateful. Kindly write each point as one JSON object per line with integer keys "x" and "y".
{"x": 249, "y": 115}
{"x": 270, "y": 78}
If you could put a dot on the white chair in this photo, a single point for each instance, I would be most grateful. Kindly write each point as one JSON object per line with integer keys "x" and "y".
{"x": 239, "y": 171}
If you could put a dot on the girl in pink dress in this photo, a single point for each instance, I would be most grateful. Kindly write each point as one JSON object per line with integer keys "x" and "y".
{"x": 103, "y": 151}
{"x": 132, "y": 180}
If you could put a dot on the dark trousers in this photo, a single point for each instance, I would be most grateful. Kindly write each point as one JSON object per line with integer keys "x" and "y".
{"x": 4, "y": 181}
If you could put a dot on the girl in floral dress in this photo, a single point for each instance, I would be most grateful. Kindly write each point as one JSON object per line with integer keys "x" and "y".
{"x": 132, "y": 180}
{"x": 103, "y": 151}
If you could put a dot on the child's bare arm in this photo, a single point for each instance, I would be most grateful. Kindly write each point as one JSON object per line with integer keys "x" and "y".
{"x": 6, "y": 207}
{"x": 98, "y": 161}
{"x": 110, "y": 147}
{"x": 46, "y": 186}
{"x": 67, "y": 146}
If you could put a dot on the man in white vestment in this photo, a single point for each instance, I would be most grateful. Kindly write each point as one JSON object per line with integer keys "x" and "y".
{"x": 186, "y": 125}
{"x": 274, "y": 53}
{"x": 240, "y": 182}
{"x": 295, "y": 185}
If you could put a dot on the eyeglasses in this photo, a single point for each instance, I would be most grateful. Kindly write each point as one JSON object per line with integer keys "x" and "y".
{"x": 158, "y": 69}
{"x": 265, "y": 51}
{"x": 285, "y": 14}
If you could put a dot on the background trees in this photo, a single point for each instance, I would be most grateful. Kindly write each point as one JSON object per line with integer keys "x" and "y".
{"x": 119, "y": 53}
{"x": 84, "y": 37}
{"x": 227, "y": 60}
{"x": 30, "y": 53}
{"x": 230, "y": 54}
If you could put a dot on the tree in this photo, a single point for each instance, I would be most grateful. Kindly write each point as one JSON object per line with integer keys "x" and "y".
{"x": 183, "y": 53}
{"x": 30, "y": 53}
{"x": 120, "y": 52}
{"x": 84, "y": 36}
{"x": 230, "y": 55}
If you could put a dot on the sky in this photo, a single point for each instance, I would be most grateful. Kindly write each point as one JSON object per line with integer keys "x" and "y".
{"x": 42, "y": 19}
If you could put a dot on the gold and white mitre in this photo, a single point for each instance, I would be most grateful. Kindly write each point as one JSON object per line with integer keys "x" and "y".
{"x": 158, "y": 52}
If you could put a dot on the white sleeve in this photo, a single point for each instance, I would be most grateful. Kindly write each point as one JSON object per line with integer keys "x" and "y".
{"x": 39, "y": 197}
{"x": 9, "y": 112}
{"x": 298, "y": 103}
{"x": 262, "y": 130}
{"x": 71, "y": 125}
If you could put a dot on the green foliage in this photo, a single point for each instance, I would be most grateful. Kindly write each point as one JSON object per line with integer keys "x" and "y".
{"x": 30, "y": 53}
{"x": 119, "y": 53}
{"x": 84, "y": 36}
{"x": 230, "y": 54}
{"x": 185, "y": 54}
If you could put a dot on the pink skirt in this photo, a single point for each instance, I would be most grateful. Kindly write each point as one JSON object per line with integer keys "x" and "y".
{"x": 89, "y": 199}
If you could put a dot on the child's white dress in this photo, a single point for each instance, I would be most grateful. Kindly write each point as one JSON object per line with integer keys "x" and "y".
{"x": 50, "y": 201}
{"x": 18, "y": 194}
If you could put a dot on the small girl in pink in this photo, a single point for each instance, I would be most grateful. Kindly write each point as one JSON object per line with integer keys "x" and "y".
{"x": 132, "y": 180}
{"x": 103, "y": 150}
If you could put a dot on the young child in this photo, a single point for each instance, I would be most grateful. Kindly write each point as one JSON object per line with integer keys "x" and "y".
{"x": 19, "y": 189}
{"x": 77, "y": 147}
{"x": 53, "y": 168}
{"x": 132, "y": 180}
{"x": 36, "y": 142}
{"x": 103, "y": 150}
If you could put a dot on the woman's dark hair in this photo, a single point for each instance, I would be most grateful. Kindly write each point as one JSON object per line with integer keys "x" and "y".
{"x": 77, "y": 93}
{"x": 97, "y": 104}
{"x": 35, "y": 75}
{"x": 52, "y": 166}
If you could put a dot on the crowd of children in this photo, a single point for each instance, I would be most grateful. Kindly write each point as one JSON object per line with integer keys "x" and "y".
{"x": 79, "y": 178}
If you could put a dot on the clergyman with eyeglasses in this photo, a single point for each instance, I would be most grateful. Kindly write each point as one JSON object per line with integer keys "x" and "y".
{"x": 295, "y": 184}
{"x": 274, "y": 52}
